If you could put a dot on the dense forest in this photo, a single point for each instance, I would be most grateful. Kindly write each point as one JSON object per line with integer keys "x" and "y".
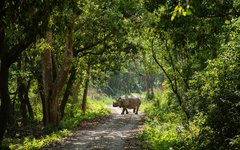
{"x": 59, "y": 56}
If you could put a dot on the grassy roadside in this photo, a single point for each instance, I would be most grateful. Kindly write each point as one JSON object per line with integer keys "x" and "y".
{"x": 74, "y": 117}
{"x": 165, "y": 127}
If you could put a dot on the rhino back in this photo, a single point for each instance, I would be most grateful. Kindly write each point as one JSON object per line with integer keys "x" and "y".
{"x": 132, "y": 103}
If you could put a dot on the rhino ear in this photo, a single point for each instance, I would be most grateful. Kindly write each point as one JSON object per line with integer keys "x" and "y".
{"x": 120, "y": 101}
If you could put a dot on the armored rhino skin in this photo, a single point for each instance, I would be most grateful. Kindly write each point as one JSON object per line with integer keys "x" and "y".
{"x": 129, "y": 102}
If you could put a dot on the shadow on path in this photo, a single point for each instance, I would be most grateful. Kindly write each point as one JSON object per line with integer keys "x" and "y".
{"x": 111, "y": 134}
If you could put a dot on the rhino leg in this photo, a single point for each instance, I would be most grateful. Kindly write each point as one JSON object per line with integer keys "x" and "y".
{"x": 133, "y": 110}
{"x": 124, "y": 109}
{"x": 137, "y": 110}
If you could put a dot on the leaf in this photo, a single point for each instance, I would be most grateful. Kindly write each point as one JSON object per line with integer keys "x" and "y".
{"x": 184, "y": 13}
{"x": 227, "y": 22}
{"x": 189, "y": 12}
{"x": 173, "y": 16}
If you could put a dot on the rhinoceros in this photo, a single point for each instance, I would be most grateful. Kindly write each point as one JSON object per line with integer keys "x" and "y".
{"x": 130, "y": 102}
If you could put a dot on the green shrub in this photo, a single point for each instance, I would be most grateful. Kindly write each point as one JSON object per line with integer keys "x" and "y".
{"x": 165, "y": 127}
{"x": 31, "y": 143}
{"x": 218, "y": 95}
{"x": 73, "y": 117}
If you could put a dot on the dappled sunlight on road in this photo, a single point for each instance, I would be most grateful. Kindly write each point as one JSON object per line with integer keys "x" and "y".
{"x": 111, "y": 134}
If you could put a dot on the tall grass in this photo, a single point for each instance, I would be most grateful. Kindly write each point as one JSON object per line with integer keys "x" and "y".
{"x": 165, "y": 127}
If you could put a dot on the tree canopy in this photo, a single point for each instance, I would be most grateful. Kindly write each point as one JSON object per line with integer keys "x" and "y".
{"x": 53, "y": 52}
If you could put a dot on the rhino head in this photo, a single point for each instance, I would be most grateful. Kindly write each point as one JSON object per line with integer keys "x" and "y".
{"x": 117, "y": 103}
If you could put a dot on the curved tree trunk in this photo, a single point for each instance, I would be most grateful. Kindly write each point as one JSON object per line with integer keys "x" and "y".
{"x": 173, "y": 83}
{"x": 5, "y": 98}
{"x": 67, "y": 91}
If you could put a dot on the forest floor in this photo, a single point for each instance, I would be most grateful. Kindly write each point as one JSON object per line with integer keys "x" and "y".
{"x": 113, "y": 132}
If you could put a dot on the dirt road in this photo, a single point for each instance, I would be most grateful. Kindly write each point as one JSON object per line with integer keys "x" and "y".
{"x": 115, "y": 133}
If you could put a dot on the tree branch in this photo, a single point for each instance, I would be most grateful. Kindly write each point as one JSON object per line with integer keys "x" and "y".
{"x": 89, "y": 47}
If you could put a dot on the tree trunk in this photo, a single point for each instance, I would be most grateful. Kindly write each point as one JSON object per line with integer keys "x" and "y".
{"x": 85, "y": 91}
{"x": 12, "y": 119}
{"x": 30, "y": 110}
{"x": 47, "y": 77}
{"x": 173, "y": 83}
{"x": 41, "y": 92}
{"x": 21, "y": 90}
{"x": 53, "y": 82}
{"x": 25, "y": 103}
{"x": 76, "y": 89}
{"x": 5, "y": 98}
{"x": 67, "y": 91}
{"x": 149, "y": 86}
{"x": 44, "y": 111}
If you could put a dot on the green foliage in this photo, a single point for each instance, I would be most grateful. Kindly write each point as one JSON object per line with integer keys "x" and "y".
{"x": 158, "y": 132}
{"x": 165, "y": 127}
{"x": 37, "y": 107}
{"x": 217, "y": 94}
{"x": 235, "y": 142}
{"x": 32, "y": 143}
{"x": 179, "y": 10}
{"x": 195, "y": 43}
{"x": 199, "y": 55}
{"x": 136, "y": 76}
{"x": 74, "y": 115}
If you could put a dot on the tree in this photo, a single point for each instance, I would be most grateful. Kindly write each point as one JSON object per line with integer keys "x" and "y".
{"x": 21, "y": 23}
{"x": 195, "y": 46}
{"x": 101, "y": 33}
{"x": 93, "y": 29}
{"x": 54, "y": 80}
{"x": 216, "y": 92}
{"x": 185, "y": 38}
{"x": 68, "y": 91}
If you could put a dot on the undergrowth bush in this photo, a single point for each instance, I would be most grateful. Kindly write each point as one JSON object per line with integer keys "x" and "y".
{"x": 73, "y": 117}
{"x": 165, "y": 127}
{"x": 30, "y": 142}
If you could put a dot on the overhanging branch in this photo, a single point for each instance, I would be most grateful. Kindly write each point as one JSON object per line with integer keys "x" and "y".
{"x": 89, "y": 47}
